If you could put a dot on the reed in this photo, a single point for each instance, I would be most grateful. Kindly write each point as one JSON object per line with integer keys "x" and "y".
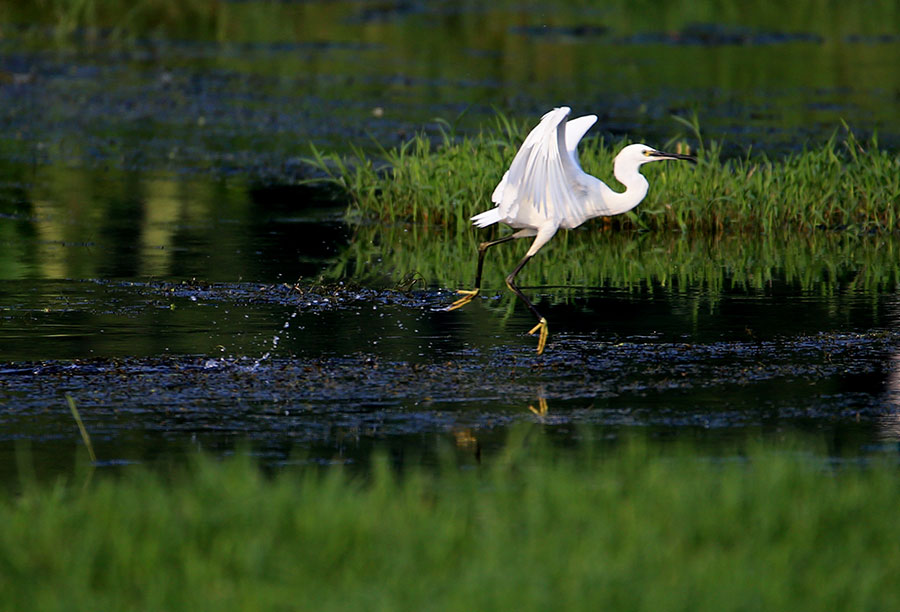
{"x": 73, "y": 408}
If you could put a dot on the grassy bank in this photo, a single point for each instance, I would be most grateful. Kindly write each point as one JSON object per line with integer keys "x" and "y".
{"x": 844, "y": 184}
{"x": 825, "y": 219}
{"x": 632, "y": 529}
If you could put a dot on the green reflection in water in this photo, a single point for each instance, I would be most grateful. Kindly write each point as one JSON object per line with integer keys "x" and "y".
{"x": 74, "y": 223}
{"x": 68, "y": 223}
{"x": 831, "y": 262}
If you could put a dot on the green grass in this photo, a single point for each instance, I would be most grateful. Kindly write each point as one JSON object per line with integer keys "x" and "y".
{"x": 275, "y": 19}
{"x": 824, "y": 219}
{"x": 844, "y": 184}
{"x": 633, "y": 528}
{"x": 119, "y": 20}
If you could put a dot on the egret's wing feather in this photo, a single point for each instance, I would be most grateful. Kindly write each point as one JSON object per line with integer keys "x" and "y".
{"x": 575, "y": 131}
{"x": 506, "y": 195}
{"x": 488, "y": 217}
{"x": 544, "y": 182}
{"x": 497, "y": 196}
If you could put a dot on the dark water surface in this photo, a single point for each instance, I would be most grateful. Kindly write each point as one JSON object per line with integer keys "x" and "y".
{"x": 152, "y": 233}
{"x": 160, "y": 363}
{"x": 358, "y": 73}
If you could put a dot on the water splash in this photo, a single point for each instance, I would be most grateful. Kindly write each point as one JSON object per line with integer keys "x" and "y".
{"x": 275, "y": 340}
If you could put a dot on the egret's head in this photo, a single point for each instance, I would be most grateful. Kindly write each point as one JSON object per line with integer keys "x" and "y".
{"x": 639, "y": 154}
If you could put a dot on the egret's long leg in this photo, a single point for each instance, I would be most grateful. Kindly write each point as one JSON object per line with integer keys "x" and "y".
{"x": 542, "y": 322}
{"x": 469, "y": 294}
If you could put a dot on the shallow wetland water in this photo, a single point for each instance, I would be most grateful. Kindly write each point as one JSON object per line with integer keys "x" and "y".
{"x": 327, "y": 370}
{"x": 152, "y": 236}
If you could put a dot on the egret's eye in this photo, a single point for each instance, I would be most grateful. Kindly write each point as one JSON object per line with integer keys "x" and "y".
{"x": 646, "y": 152}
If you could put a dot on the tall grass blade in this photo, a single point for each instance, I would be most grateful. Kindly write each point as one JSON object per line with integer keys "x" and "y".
{"x": 84, "y": 434}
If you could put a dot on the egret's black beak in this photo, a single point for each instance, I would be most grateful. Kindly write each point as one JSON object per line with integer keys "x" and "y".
{"x": 664, "y": 155}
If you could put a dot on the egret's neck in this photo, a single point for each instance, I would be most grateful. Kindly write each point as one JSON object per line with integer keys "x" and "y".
{"x": 615, "y": 203}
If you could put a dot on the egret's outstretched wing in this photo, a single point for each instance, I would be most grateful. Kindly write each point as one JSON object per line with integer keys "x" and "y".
{"x": 497, "y": 196}
{"x": 575, "y": 131}
{"x": 544, "y": 182}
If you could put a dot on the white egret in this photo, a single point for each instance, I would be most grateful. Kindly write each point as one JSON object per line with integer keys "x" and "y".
{"x": 545, "y": 189}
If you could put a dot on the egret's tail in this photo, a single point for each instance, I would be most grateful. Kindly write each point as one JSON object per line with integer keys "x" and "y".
{"x": 488, "y": 217}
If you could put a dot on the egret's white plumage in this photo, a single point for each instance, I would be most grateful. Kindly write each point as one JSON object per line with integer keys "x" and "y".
{"x": 545, "y": 189}
{"x": 541, "y": 145}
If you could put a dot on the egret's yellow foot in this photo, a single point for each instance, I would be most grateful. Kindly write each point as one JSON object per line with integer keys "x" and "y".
{"x": 467, "y": 296}
{"x": 542, "y": 408}
{"x": 542, "y": 341}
